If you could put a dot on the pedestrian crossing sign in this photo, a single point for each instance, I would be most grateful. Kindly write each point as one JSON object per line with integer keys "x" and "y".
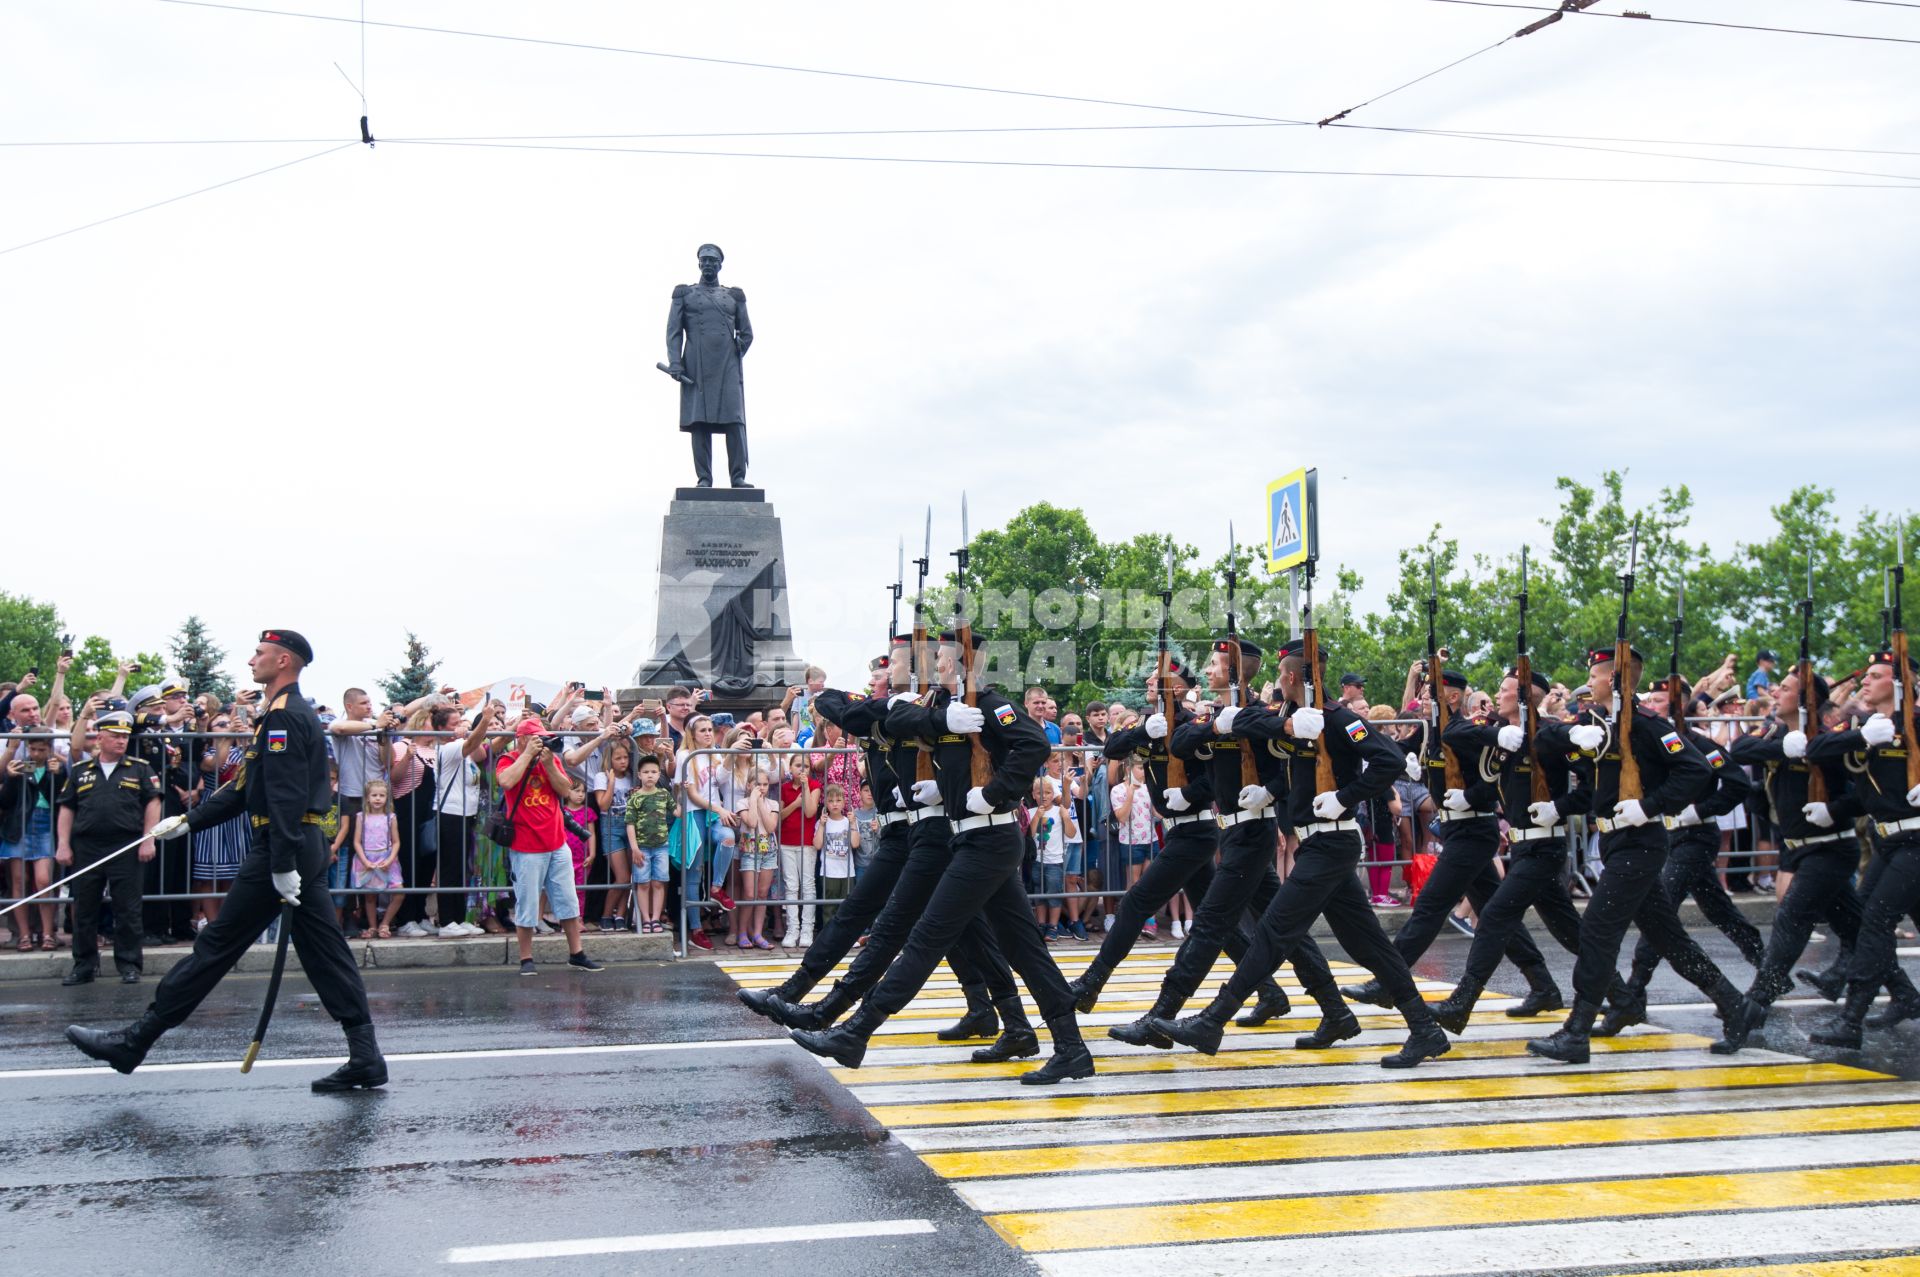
{"x": 1291, "y": 519}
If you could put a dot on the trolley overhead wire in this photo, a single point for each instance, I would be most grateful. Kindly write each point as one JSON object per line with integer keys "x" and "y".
{"x": 1648, "y": 17}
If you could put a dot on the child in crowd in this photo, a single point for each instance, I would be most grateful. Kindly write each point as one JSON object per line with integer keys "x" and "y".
{"x": 837, "y": 840}
{"x": 799, "y": 863}
{"x": 866, "y": 821}
{"x": 579, "y": 822}
{"x": 648, "y": 816}
{"x": 611, "y": 790}
{"x": 1052, "y": 828}
{"x": 759, "y": 855}
{"x": 376, "y": 858}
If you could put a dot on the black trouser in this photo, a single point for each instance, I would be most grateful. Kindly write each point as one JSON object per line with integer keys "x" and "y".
{"x": 1324, "y": 881}
{"x": 972, "y": 951}
{"x": 1870, "y": 878}
{"x": 454, "y": 839}
{"x": 1896, "y": 891}
{"x": 1184, "y": 864}
{"x": 1691, "y": 869}
{"x": 736, "y": 455}
{"x": 167, "y": 874}
{"x": 1822, "y": 887}
{"x": 1629, "y": 894}
{"x": 252, "y": 904}
{"x": 1536, "y": 879}
{"x": 123, "y": 874}
{"x": 863, "y": 904}
{"x": 1245, "y": 879}
{"x": 1465, "y": 868}
{"x": 982, "y": 881}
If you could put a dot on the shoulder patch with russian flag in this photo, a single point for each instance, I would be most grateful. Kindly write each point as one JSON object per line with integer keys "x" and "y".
{"x": 276, "y": 742}
{"x": 1004, "y": 715}
{"x": 1356, "y": 730}
{"x": 1673, "y": 742}
{"x": 1717, "y": 758}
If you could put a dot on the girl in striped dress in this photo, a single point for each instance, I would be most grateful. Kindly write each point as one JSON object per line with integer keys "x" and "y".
{"x": 217, "y": 851}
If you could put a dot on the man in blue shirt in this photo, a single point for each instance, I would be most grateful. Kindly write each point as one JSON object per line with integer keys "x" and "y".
{"x": 1762, "y": 675}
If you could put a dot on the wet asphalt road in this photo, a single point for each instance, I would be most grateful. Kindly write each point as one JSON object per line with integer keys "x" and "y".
{"x": 207, "y": 1170}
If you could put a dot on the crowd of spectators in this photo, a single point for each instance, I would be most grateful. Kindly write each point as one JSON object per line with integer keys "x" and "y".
{"x": 664, "y": 818}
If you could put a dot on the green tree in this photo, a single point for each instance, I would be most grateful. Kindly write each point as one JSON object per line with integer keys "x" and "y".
{"x": 197, "y": 659}
{"x": 29, "y": 636}
{"x": 415, "y": 678}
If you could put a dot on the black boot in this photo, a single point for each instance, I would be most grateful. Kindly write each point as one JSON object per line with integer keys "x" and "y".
{"x": 1626, "y": 1006}
{"x": 812, "y": 1015}
{"x": 791, "y": 989}
{"x": 1370, "y": 993}
{"x": 846, "y": 1045}
{"x": 1905, "y": 1003}
{"x": 79, "y": 975}
{"x": 1740, "y": 1026}
{"x": 978, "y": 1022}
{"x": 122, "y": 1048}
{"x": 1337, "y": 1024}
{"x": 1086, "y": 986}
{"x": 1070, "y": 1057}
{"x": 364, "y": 1069}
{"x": 1543, "y": 997}
{"x": 1568, "y": 1044}
{"x": 1844, "y": 1029}
{"x": 1728, "y": 1002}
{"x": 1426, "y": 1041}
{"x": 1452, "y": 1014}
{"x": 1017, "y": 1039}
{"x": 1202, "y": 1032}
{"x": 1141, "y": 1032}
{"x": 1830, "y": 984}
{"x": 1270, "y": 1005}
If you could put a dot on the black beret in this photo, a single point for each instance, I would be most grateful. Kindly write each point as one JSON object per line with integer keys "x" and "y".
{"x": 291, "y": 641}
{"x": 1885, "y": 657}
{"x": 1539, "y": 679}
{"x": 1595, "y": 655}
{"x": 1181, "y": 672}
{"x": 1248, "y": 650}
{"x": 1453, "y": 678}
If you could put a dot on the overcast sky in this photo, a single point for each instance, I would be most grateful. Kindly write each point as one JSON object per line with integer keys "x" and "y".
{"x": 307, "y": 399}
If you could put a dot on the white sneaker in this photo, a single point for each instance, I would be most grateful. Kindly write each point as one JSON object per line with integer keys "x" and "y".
{"x": 1109, "y": 922}
{"x": 412, "y": 930}
{"x": 453, "y": 931}
{"x": 1180, "y": 931}
{"x": 541, "y": 928}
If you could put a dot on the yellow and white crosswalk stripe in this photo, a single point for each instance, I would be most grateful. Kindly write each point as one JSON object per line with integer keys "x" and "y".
{"x": 1658, "y": 1156}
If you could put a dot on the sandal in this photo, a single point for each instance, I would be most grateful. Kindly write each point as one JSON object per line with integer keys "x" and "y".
{"x": 760, "y": 942}
{"x": 385, "y": 932}
{"x": 25, "y": 945}
{"x": 47, "y": 945}
{"x": 743, "y": 943}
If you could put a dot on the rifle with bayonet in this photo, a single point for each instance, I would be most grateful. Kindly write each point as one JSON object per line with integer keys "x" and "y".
{"x": 963, "y": 631}
{"x": 1529, "y": 720}
{"x": 1803, "y": 674}
{"x": 1236, "y": 676}
{"x": 1323, "y": 782}
{"x": 1437, "y": 685}
{"x": 919, "y": 659}
{"x": 1676, "y": 696}
{"x": 1902, "y": 671}
{"x": 1623, "y": 697}
{"x": 898, "y": 588}
{"x": 1176, "y": 767}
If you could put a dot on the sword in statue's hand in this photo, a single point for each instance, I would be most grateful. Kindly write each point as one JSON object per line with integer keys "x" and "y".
{"x": 680, "y": 377}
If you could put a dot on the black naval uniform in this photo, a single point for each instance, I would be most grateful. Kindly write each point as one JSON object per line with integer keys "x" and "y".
{"x": 108, "y": 813}
{"x": 1325, "y": 878}
{"x": 1185, "y": 863}
{"x": 1673, "y": 773}
{"x": 1693, "y": 853}
{"x": 1878, "y": 776}
{"x": 983, "y": 877}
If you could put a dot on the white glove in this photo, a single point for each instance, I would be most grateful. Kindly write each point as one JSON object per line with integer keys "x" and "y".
{"x": 899, "y": 799}
{"x": 926, "y": 792}
{"x": 1543, "y": 814}
{"x": 1818, "y": 814}
{"x": 1877, "y": 730}
{"x": 1177, "y": 800}
{"x": 1327, "y": 806}
{"x": 1456, "y": 800}
{"x": 1512, "y": 739}
{"x": 1255, "y": 798}
{"x": 1689, "y": 815}
{"x": 171, "y": 827}
{"x": 899, "y": 697}
{"x": 1413, "y": 767}
{"x": 977, "y": 802}
{"x": 1913, "y": 796}
{"x": 288, "y": 885}
{"x": 964, "y": 718}
{"x": 1587, "y": 737}
{"x": 1794, "y": 744}
{"x": 1307, "y": 723}
{"x": 1157, "y": 726}
{"x": 1629, "y": 812}
{"x": 1223, "y": 721}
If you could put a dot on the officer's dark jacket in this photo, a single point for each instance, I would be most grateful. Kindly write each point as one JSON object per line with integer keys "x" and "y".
{"x": 1474, "y": 741}
{"x": 109, "y": 810}
{"x": 1195, "y": 741}
{"x": 1516, "y": 772}
{"x": 1135, "y": 743}
{"x": 1014, "y": 742}
{"x": 1673, "y": 772}
{"x": 1786, "y": 784}
{"x": 1732, "y": 786}
{"x": 282, "y": 780}
{"x": 864, "y": 718}
{"x": 1365, "y": 762}
{"x": 1877, "y": 775}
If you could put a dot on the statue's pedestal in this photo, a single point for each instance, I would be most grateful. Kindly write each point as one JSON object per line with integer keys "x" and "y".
{"x": 723, "y": 622}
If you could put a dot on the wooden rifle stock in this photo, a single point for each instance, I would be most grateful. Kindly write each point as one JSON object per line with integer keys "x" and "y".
{"x": 1530, "y": 720}
{"x": 1323, "y": 782}
{"x": 982, "y": 764}
{"x": 1904, "y": 677}
{"x": 922, "y": 664}
{"x": 1249, "y": 771}
{"x": 1176, "y": 767}
{"x": 1630, "y": 786}
{"x": 1442, "y": 715}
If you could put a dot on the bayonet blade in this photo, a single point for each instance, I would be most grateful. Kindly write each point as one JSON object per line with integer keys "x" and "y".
{"x": 1169, "y": 567}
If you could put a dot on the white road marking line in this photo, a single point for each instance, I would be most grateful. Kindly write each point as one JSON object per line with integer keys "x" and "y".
{"x": 1447, "y": 1170}
{"x": 414, "y": 1057}
{"x": 1392, "y": 1115}
{"x": 689, "y": 1241}
{"x": 1684, "y": 1241}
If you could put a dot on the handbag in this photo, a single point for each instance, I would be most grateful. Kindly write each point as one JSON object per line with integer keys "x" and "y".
{"x": 500, "y": 826}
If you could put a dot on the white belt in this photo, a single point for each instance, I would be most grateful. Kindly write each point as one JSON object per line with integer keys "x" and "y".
{"x": 1325, "y": 827}
{"x": 1174, "y": 822}
{"x": 1529, "y": 834}
{"x": 1241, "y": 817}
{"x": 936, "y": 812}
{"x": 1607, "y": 825}
{"x": 1795, "y": 844}
{"x": 1444, "y": 815}
{"x": 894, "y": 817}
{"x": 965, "y": 823}
{"x": 1897, "y": 826}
